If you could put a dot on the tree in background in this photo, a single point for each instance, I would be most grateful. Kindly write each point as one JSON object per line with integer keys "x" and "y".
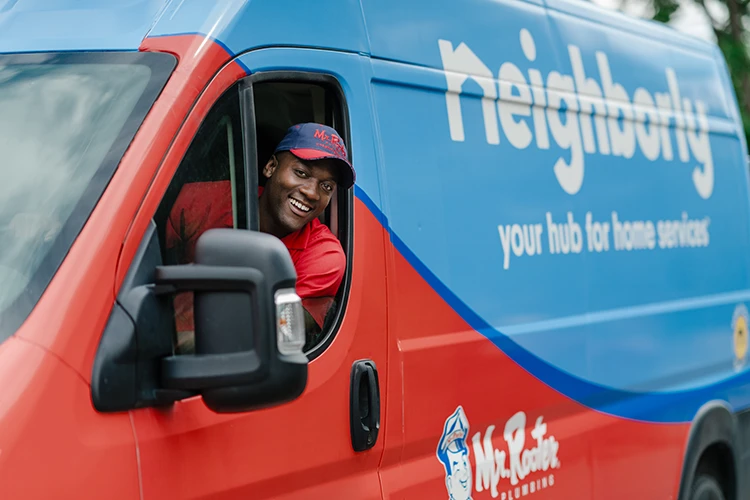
{"x": 731, "y": 37}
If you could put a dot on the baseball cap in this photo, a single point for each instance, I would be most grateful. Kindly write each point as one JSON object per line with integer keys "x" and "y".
{"x": 313, "y": 141}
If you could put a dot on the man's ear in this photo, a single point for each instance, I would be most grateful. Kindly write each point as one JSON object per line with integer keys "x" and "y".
{"x": 271, "y": 166}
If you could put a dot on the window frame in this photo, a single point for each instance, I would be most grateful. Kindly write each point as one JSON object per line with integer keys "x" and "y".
{"x": 345, "y": 199}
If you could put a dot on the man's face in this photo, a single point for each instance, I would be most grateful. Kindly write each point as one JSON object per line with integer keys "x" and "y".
{"x": 297, "y": 191}
{"x": 459, "y": 480}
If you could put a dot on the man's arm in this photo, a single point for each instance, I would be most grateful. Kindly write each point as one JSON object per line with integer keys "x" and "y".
{"x": 319, "y": 275}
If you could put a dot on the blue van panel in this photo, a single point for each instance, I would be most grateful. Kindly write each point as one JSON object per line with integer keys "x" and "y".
{"x": 409, "y": 31}
{"x": 612, "y": 323}
{"x": 242, "y": 25}
{"x": 62, "y": 25}
{"x": 694, "y": 64}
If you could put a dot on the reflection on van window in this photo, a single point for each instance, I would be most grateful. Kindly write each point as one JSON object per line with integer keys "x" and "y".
{"x": 57, "y": 123}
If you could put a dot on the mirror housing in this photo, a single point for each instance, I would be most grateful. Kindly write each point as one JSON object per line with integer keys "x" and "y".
{"x": 237, "y": 365}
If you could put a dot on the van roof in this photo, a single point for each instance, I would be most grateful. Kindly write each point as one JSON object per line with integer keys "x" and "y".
{"x": 616, "y": 19}
{"x": 66, "y": 25}
{"x": 79, "y": 25}
{"x": 238, "y": 25}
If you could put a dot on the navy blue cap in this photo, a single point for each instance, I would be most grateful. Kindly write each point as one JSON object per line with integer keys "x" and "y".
{"x": 313, "y": 141}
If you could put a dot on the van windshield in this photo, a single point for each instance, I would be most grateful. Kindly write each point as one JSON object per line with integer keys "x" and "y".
{"x": 65, "y": 121}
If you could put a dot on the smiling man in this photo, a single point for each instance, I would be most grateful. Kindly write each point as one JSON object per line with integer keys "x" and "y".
{"x": 301, "y": 177}
{"x": 304, "y": 172}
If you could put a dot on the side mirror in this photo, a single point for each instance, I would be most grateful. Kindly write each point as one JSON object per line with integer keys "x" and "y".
{"x": 249, "y": 323}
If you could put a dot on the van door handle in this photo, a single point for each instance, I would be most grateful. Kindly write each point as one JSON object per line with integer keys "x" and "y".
{"x": 364, "y": 405}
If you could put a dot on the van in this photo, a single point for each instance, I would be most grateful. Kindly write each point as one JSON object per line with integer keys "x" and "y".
{"x": 548, "y": 267}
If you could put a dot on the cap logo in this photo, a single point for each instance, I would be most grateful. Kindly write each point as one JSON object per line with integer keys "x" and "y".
{"x": 321, "y": 134}
{"x": 332, "y": 142}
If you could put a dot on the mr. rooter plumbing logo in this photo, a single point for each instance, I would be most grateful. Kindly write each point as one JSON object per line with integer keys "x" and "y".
{"x": 525, "y": 468}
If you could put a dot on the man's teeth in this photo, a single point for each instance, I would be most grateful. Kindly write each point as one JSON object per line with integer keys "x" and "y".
{"x": 299, "y": 205}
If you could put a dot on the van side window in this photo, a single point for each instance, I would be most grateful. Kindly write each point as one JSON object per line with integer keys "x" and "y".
{"x": 278, "y": 105}
{"x": 209, "y": 189}
{"x": 206, "y": 192}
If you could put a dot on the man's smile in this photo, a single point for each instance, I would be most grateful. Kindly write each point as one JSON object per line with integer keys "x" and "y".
{"x": 299, "y": 207}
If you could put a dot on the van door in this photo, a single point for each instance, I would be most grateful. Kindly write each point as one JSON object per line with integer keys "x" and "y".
{"x": 465, "y": 169}
{"x": 305, "y": 448}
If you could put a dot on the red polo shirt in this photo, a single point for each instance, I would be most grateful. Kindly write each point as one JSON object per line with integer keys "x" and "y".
{"x": 320, "y": 263}
{"x": 317, "y": 254}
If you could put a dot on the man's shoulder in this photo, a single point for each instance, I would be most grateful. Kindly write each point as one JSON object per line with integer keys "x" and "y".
{"x": 321, "y": 265}
{"x": 321, "y": 236}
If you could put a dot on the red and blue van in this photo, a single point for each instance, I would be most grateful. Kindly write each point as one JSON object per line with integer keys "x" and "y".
{"x": 548, "y": 254}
